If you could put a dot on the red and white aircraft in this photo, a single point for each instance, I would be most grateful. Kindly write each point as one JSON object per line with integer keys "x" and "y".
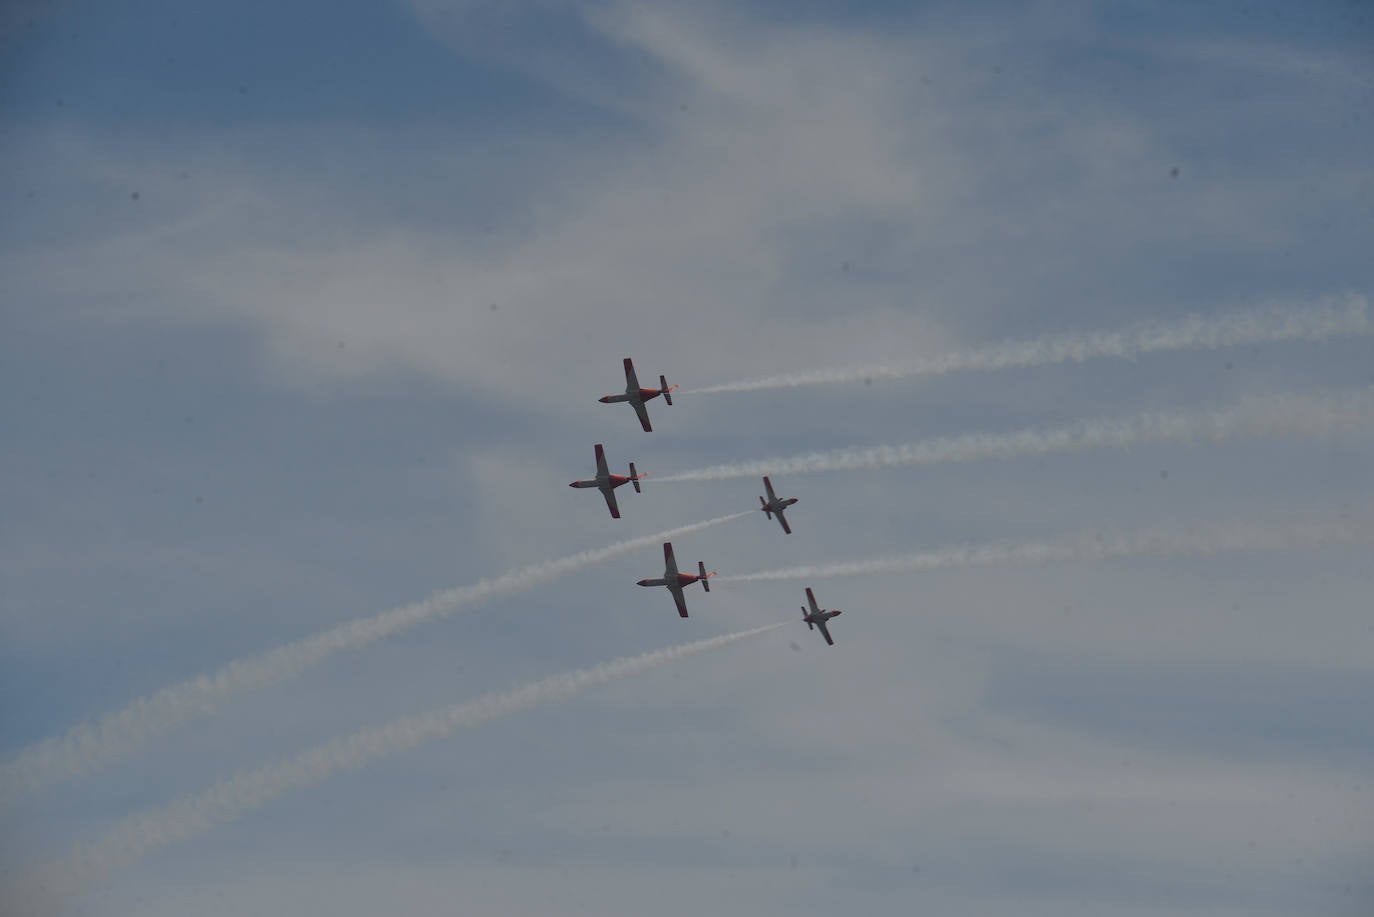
{"x": 637, "y": 396}
{"x": 675, "y": 581}
{"x": 818, "y": 616}
{"x": 609, "y": 482}
{"x": 774, "y": 505}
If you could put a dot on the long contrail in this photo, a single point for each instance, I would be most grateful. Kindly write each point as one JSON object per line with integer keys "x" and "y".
{"x": 1208, "y": 539}
{"x": 1272, "y": 415}
{"x": 86, "y": 747}
{"x": 1333, "y": 318}
{"x": 252, "y": 789}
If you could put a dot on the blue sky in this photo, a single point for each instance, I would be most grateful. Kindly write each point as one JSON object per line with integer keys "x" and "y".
{"x": 306, "y": 310}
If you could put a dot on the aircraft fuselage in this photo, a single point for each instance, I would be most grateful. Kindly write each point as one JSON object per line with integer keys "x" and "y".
{"x": 682, "y": 579}
{"x": 778, "y": 505}
{"x": 604, "y": 482}
{"x": 632, "y": 395}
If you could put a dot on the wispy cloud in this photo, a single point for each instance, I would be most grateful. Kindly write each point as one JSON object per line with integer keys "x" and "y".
{"x": 721, "y": 194}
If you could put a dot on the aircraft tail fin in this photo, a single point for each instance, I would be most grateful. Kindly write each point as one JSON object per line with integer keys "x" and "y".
{"x": 704, "y": 576}
{"x": 764, "y": 506}
{"x": 665, "y": 389}
{"x": 634, "y": 478}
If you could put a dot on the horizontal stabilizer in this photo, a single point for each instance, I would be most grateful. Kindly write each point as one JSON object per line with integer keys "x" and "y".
{"x": 704, "y": 576}
{"x": 664, "y": 389}
{"x": 634, "y": 478}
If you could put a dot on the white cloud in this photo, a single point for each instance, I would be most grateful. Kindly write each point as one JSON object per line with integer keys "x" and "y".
{"x": 742, "y": 197}
{"x": 710, "y": 235}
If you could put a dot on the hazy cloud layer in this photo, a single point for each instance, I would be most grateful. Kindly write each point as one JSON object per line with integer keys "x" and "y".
{"x": 308, "y": 312}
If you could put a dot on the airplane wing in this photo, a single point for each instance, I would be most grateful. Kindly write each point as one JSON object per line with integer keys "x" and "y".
{"x": 678, "y": 598}
{"x": 768, "y": 486}
{"x": 601, "y": 468}
{"x": 669, "y": 562}
{"x": 631, "y": 380}
{"x": 643, "y": 413}
{"x": 825, "y": 632}
{"x": 783, "y": 521}
{"x": 610, "y": 503}
{"x": 811, "y": 597}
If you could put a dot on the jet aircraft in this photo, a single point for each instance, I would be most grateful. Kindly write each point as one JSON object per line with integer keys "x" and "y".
{"x": 675, "y": 581}
{"x": 775, "y": 505}
{"x": 817, "y": 616}
{"x": 637, "y": 396}
{"x": 609, "y": 482}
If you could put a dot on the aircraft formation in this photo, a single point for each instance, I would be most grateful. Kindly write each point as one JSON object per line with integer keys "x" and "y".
{"x": 673, "y": 579}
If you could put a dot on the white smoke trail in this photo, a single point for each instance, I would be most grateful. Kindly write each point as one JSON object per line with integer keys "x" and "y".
{"x": 1158, "y": 541}
{"x": 1330, "y": 319}
{"x": 88, "y": 746}
{"x": 249, "y": 790}
{"x": 1272, "y": 415}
